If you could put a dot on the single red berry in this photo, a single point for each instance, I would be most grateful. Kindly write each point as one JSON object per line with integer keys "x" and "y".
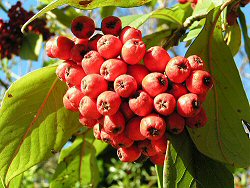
{"x": 74, "y": 95}
{"x": 111, "y": 25}
{"x": 164, "y": 104}
{"x": 77, "y": 53}
{"x": 178, "y": 69}
{"x": 92, "y": 62}
{"x": 67, "y": 102}
{"x": 133, "y": 51}
{"x": 197, "y": 121}
{"x": 196, "y": 63}
{"x": 146, "y": 148}
{"x": 161, "y": 144}
{"x": 87, "y": 122}
{"x": 156, "y": 59}
{"x": 109, "y": 46}
{"x": 125, "y": 85}
{"x": 74, "y": 75}
{"x": 138, "y": 72}
{"x": 182, "y": 1}
{"x": 199, "y": 82}
{"x": 155, "y": 83}
{"x": 105, "y": 137}
{"x": 202, "y": 97}
{"x": 132, "y": 129}
{"x": 141, "y": 103}
{"x": 108, "y": 103}
{"x": 126, "y": 111}
{"x": 122, "y": 141}
{"x": 177, "y": 90}
{"x": 114, "y": 124}
{"x": 88, "y": 108}
{"x": 83, "y": 27}
{"x": 130, "y": 33}
{"x": 81, "y": 41}
{"x": 188, "y": 105}
{"x": 61, "y": 69}
{"x": 113, "y": 68}
{"x": 130, "y": 154}
{"x": 152, "y": 127}
{"x": 61, "y": 47}
{"x": 93, "y": 85}
{"x": 48, "y": 47}
{"x": 158, "y": 159}
{"x": 175, "y": 123}
{"x": 93, "y": 41}
{"x": 97, "y": 131}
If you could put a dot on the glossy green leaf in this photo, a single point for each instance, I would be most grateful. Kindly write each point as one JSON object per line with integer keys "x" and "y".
{"x": 159, "y": 172}
{"x": 34, "y": 123}
{"x": 99, "y": 146}
{"x": 223, "y": 138}
{"x": 77, "y": 166}
{"x": 85, "y": 4}
{"x": 31, "y": 46}
{"x": 186, "y": 167}
{"x": 16, "y": 182}
{"x": 245, "y": 33}
{"x": 157, "y": 38}
{"x": 107, "y": 11}
{"x": 233, "y": 38}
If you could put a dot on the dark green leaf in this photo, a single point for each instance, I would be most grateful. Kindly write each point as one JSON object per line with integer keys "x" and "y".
{"x": 34, "y": 123}
{"x": 31, "y": 46}
{"x": 223, "y": 138}
{"x": 159, "y": 172}
{"x": 245, "y": 33}
{"x": 107, "y": 11}
{"x": 186, "y": 167}
{"x": 233, "y": 38}
{"x": 77, "y": 166}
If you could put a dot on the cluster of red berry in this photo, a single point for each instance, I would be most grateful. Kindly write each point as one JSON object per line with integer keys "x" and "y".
{"x": 11, "y": 37}
{"x": 129, "y": 105}
{"x": 193, "y": 2}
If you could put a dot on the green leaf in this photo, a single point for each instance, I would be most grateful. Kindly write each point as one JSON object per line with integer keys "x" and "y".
{"x": 77, "y": 166}
{"x": 31, "y": 46}
{"x": 107, "y": 11}
{"x": 34, "y": 123}
{"x": 245, "y": 33}
{"x": 186, "y": 167}
{"x": 99, "y": 146}
{"x": 233, "y": 38}
{"x": 223, "y": 138}
{"x": 16, "y": 182}
{"x": 85, "y": 4}
{"x": 159, "y": 172}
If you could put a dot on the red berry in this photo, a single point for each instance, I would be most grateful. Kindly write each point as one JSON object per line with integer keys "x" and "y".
{"x": 182, "y": 1}
{"x": 152, "y": 127}
{"x": 74, "y": 75}
{"x": 88, "y": 108}
{"x": 122, "y": 141}
{"x": 160, "y": 145}
{"x": 132, "y": 129}
{"x": 61, "y": 47}
{"x": 202, "y": 97}
{"x": 97, "y": 131}
{"x": 146, "y": 148}
{"x": 177, "y": 90}
{"x": 199, "y": 82}
{"x": 48, "y": 47}
{"x": 74, "y": 95}
{"x": 114, "y": 124}
{"x": 87, "y": 122}
{"x": 92, "y": 62}
{"x": 155, "y": 83}
{"x": 83, "y": 27}
{"x": 164, "y": 103}
{"x": 175, "y": 123}
{"x": 61, "y": 69}
{"x": 111, "y": 25}
{"x": 195, "y": 62}
{"x": 178, "y": 69}
{"x": 126, "y": 111}
{"x": 125, "y": 85}
{"x": 156, "y": 59}
{"x": 158, "y": 159}
{"x": 109, "y": 46}
{"x": 197, "y": 121}
{"x": 130, "y": 33}
{"x": 133, "y": 51}
{"x": 138, "y": 72}
{"x": 113, "y": 68}
{"x": 93, "y": 85}
{"x": 105, "y": 137}
{"x": 81, "y": 41}
{"x": 141, "y": 104}
{"x": 93, "y": 41}
{"x": 188, "y": 105}
{"x": 108, "y": 103}
{"x": 77, "y": 53}
{"x": 130, "y": 154}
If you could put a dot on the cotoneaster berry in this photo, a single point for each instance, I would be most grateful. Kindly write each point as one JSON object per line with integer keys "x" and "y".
{"x": 61, "y": 48}
{"x": 130, "y": 154}
{"x": 88, "y": 109}
{"x": 92, "y": 44}
{"x": 90, "y": 123}
{"x": 74, "y": 75}
{"x": 130, "y": 33}
{"x": 195, "y": 62}
{"x": 111, "y": 25}
{"x": 126, "y": 111}
{"x": 114, "y": 124}
{"x": 146, "y": 147}
{"x": 83, "y": 27}
{"x": 77, "y": 53}
{"x": 132, "y": 129}
{"x": 175, "y": 123}
{"x": 122, "y": 141}
{"x": 197, "y": 121}
{"x": 177, "y": 90}
{"x": 158, "y": 159}
{"x": 164, "y": 104}
{"x": 61, "y": 69}
{"x": 138, "y": 72}
{"x": 92, "y": 62}
{"x": 160, "y": 145}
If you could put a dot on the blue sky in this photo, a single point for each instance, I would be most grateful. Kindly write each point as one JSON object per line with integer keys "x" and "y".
{"x": 23, "y": 66}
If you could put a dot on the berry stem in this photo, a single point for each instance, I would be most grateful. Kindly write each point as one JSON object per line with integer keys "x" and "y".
{"x": 98, "y": 29}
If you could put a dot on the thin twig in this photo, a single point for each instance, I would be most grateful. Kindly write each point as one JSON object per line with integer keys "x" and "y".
{"x": 3, "y": 7}
{"x": 5, "y": 85}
